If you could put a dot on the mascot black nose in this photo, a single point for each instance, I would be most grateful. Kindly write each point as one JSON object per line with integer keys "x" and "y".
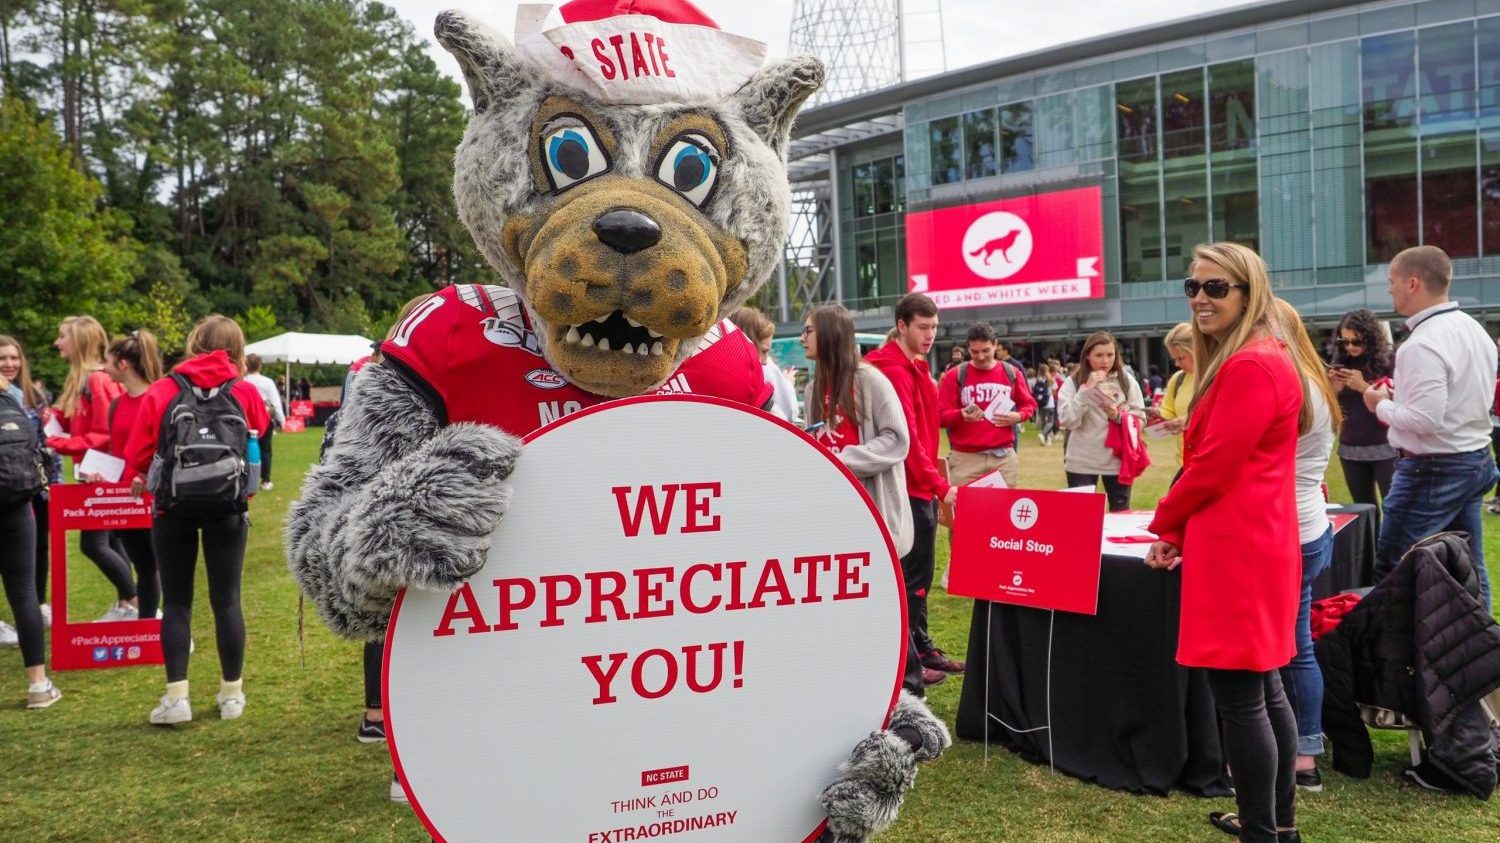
{"x": 627, "y": 231}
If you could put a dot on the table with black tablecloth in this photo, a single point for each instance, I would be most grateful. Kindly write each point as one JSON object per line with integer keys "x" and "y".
{"x": 1123, "y": 714}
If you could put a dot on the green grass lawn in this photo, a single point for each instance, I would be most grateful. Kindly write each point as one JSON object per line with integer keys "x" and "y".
{"x": 91, "y": 769}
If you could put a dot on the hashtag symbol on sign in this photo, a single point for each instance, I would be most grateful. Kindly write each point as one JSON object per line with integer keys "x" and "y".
{"x": 1024, "y": 513}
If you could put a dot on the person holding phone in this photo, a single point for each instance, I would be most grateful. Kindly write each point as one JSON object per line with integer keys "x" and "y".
{"x": 1361, "y": 357}
{"x": 1097, "y": 395}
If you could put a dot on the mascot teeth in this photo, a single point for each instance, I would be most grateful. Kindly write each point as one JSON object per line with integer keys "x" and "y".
{"x": 615, "y": 330}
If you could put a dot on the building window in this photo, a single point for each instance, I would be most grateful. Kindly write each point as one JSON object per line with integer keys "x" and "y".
{"x": 1135, "y": 119}
{"x": 946, "y": 148}
{"x": 1182, "y": 119}
{"x": 1233, "y": 171}
{"x": 1231, "y": 97}
{"x": 1388, "y": 87}
{"x": 879, "y": 186}
{"x": 899, "y": 162}
{"x": 864, "y": 190}
{"x": 979, "y": 144}
{"x": 1489, "y": 133}
{"x": 1017, "y": 138}
{"x": 1140, "y": 181}
{"x": 1450, "y": 218}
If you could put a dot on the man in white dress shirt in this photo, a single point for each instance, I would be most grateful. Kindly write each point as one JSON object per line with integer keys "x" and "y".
{"x": 1438, "y": 416}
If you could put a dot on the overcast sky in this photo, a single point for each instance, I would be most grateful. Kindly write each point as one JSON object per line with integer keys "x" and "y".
{"x": 975, "y": 31}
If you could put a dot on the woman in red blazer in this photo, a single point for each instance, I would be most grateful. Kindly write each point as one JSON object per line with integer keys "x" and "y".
{"x": 83, "y": 411}
{"x": 1230, "y": 522}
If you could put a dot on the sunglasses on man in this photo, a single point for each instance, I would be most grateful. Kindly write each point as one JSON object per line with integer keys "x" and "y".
{"x": 1216, "y": 288}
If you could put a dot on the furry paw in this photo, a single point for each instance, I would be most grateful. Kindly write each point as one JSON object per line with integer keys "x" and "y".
{"x": 865, "y": 799}
{"x": 427, "y": 518}
{"x": 925, "y": 732}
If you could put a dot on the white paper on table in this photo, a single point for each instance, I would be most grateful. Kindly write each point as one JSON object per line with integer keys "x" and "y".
{"x": 52, "y": 427}
{"x": 102, "y": 464}
{"x": 1001, "y": 404}
{"x": 993, "y": 480}
{"x": 1118, "y": 524}
{"x": 1079, "y": 490}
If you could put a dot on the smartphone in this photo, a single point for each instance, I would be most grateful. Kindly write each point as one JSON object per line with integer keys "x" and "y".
{"x": 815, "y": 428}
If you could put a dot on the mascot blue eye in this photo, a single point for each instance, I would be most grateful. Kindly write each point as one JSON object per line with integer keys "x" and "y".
{"x": 690, "y": 167}
{"x": 573, "y": 154}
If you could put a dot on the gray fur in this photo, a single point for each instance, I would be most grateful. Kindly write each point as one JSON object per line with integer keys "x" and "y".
{"x": 492, "y": 170}
{"x": 882, "y": 768}
{"x": 397, "y": 501}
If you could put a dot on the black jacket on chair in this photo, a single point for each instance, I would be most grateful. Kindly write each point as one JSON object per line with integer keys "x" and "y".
{"x": 1419, "y": 643}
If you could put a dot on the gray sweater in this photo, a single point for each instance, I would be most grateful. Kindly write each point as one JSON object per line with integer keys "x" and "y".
{"x": 879, "y": 458}
{"x": 1087, "y": 425}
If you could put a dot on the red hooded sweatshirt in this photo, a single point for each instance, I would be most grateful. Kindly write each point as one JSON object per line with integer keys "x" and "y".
{"x": 205, "y": 370}
{"x": 918, "y": 394}
{"x": 88, "y": 427}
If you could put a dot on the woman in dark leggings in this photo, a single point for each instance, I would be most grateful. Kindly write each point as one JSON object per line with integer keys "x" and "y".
{"x": 1362, "y": 355}
{"x": 84, "y": 410}
{"x": 217, "y": 347}
{"x": 17, "y": 549}
{"x": 15, "y": 369}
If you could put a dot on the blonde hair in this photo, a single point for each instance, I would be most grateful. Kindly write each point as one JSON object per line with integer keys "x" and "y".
{"x": 1309, "y": 365}
{"x": 1181, "y": 336}
{"x": 34, "y": 397}
{"x": 1241, "y": 264}
{"x": 378, "y": 355}
{"x": 141, "y": 352}
{"x": 88, "y": 341}
{"x": 217, "y": 332}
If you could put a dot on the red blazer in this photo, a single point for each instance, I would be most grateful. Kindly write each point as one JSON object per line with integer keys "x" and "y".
{"x": 1233, "y": 512}
{"x": 88, "y": 427}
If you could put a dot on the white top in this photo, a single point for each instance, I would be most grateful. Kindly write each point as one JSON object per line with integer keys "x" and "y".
{"x": 267, "y": 389}
{"x": 1082, "y": 413}
{"x": 1445, "y": 385}
{"x": 1313, "y": 450}
{"x": 784, "y": 396}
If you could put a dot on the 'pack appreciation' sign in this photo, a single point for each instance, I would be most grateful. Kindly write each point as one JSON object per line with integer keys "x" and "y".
{"x": 632, "y": 663}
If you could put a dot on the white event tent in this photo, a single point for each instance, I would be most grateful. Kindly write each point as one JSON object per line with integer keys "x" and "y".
{"x": 293, "y": 347}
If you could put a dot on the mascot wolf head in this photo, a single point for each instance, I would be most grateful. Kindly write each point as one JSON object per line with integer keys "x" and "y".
{"x": 628, "y": 229}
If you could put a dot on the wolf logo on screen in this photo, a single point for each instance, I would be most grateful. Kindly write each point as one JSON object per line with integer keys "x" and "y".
{"x": 1000, "y": 244}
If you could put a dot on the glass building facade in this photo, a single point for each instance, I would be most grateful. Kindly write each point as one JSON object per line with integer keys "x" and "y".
{"x": 1328, "y": 142}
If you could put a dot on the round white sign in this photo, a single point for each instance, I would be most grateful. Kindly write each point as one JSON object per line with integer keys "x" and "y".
{"x": 997, "y": 245}
{"x": 1023, "y": 513}
{"x": 630, "y": 663}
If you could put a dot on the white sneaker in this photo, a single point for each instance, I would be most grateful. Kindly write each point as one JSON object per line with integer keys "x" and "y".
{"x": 171, "y": 711}
{"x": 38, "y": 697}
{"x": 266, "y": 486}
{"x": 46, "y": 616}
{"x": 121, "y": 612}
{"x": 398, "y": 793}
{"x": 8, "y": 636}
{"x": 230, "y": 707}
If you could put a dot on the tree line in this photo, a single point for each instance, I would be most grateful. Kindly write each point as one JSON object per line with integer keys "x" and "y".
{"x": 286, "y": 162}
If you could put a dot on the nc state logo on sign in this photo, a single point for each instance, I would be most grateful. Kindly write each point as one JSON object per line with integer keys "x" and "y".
{"x": 997, "y": 245}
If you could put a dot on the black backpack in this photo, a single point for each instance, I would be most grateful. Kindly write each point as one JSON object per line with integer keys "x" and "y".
{"x": 23, "y": 470}
{"x": 202, "y": 453}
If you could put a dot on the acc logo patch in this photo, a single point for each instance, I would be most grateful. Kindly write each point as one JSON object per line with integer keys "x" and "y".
{"x": 545, "y": 379}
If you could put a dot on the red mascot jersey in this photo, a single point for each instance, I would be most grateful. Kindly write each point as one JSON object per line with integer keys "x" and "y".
{"x": 469, "y": 349}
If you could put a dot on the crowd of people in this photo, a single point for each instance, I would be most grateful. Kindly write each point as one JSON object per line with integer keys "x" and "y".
{"x": 1255, "y": 411}
{"x": 182, "y": 434}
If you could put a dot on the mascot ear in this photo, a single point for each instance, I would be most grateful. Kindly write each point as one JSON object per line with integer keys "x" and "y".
{"x": 493, "y": 69}
{"x": 770, "y": 100}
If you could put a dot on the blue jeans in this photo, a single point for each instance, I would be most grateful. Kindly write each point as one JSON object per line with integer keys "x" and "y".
{"x": 1432, "y": 495}
{"x": 1303, "y": 678}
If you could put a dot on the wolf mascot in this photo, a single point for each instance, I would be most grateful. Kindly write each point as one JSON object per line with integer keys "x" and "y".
{"x": 628, "y": 201}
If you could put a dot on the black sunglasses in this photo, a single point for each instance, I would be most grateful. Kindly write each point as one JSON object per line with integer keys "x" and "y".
{"x": 1217, "y": 288}
{"x": 1343, "y": 343}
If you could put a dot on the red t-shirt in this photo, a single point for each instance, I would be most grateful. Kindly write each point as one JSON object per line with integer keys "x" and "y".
{"x": 473, "y": 354}
{"x": 838, "y": 433}
{"x": 122, "y": 421}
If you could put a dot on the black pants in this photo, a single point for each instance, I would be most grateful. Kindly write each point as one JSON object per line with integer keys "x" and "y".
{"x": 1364, "y": 477}
{"x": 99, "y": 547}
{"x": 176, "y": 541}
{"x": 265, "y": 455}
{"x": 43, "y": 544}
{"x": 1260, "y": 744}
{"x": 142, "y": 555}
{"x": 916, "y": 568}
{"x": 1495, "y": 444}
{"x": 1116, "y": 492}
{"x": 17, "y": 559}
{"x": 374, "y": 658}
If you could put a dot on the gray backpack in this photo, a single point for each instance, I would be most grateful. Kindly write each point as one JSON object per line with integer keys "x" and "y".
{"x": 201, "y": 464}
{"x": 22, "y": 467}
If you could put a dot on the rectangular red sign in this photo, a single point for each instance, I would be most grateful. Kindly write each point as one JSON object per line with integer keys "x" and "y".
{"x": 302, "y": 409}
{"x": 1047, "y": 247}
{"x": 665, "y": 775}
{"x": 1028, "y": 547}
{"x": 78, "y": 645}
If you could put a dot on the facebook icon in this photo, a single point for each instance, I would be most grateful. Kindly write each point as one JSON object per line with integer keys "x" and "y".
{"x": 119, "y": 654}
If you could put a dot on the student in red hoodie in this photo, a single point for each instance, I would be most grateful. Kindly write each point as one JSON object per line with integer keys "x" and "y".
{"x": 134, "y": 362}
{"x": 217, "y": 347}
{"x": 83, "y": 411}
{"x": 903, "y": 360}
